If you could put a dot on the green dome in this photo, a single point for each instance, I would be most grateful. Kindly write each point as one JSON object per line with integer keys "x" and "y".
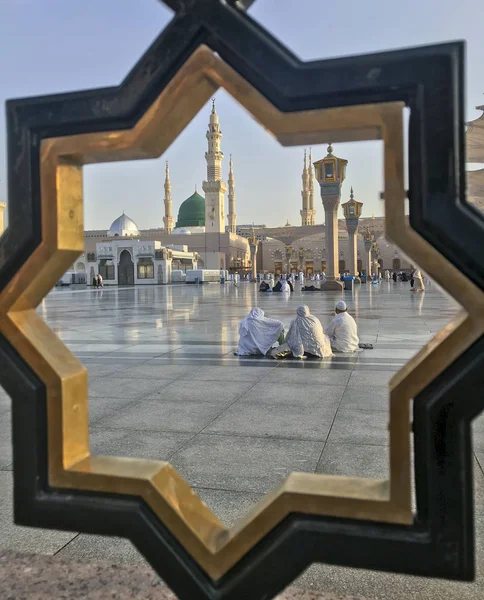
{"x": 192, "y": 212}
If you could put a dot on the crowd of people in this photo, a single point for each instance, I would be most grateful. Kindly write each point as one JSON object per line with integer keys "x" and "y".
{"x": 259, "y": 334}
{"x": 286, "y": 282}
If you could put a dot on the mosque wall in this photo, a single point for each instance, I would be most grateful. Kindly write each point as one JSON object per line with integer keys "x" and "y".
{"x": 311, "y": 253}
{"x": 233, "y": 250}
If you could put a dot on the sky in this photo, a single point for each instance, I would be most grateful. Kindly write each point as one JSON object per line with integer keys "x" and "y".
{"x": 51, "y": 46}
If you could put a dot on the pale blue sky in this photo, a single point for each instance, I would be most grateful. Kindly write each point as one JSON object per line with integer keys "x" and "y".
{"x": 49, "y": 46}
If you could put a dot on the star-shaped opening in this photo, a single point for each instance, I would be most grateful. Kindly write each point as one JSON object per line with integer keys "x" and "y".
{"x": 71, "y": 465}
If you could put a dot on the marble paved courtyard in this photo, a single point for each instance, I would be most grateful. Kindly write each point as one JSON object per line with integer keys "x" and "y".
{"x": 164, "y": 383}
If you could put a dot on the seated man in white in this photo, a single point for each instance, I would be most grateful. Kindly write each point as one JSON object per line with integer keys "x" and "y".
{"x": 342, "y": 331}
{"x": 257, "y": 334}
{"x": 305, "y": 336}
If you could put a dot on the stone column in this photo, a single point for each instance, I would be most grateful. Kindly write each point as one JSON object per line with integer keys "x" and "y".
{"x": 253, "y": 258}
{"x": 368, "y": 244}
{"x": 352, "y": 227}
{"x": 331, "y": 204}
{"x": 288, "y": 259}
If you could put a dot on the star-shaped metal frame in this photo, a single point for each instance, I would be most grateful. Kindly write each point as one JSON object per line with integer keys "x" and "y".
{"x": 59, "y": 484}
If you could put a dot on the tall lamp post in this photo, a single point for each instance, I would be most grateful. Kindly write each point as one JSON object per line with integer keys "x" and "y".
{"x": 368, "y": 239}
{"x": 253, "y": 243}
{"x": 330, "y": 173}
{"x": 352, "y": 213}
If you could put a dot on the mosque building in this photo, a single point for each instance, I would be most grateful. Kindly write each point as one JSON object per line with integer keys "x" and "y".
{"x": 198, "y": 237}
{"x": 202, "y": 235}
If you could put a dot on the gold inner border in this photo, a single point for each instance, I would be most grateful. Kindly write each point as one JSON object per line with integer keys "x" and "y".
{"x": 71, "y": 465}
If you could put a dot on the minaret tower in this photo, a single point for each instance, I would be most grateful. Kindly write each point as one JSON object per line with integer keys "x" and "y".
{"x": 214, "y": 187}
{"x": 312, "y": 210}
{"x": 168, "y": 218}
{"x": 232, "y": 216}
{"x": 305, "y": 218}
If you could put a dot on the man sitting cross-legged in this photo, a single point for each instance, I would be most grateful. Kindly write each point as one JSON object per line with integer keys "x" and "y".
{"x": 342, "y": 331}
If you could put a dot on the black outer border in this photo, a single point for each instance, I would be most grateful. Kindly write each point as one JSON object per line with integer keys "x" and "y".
{"x": 430, "y": 81}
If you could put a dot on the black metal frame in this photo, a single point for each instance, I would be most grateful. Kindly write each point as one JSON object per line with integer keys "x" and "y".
{"x": 430, "y": 81}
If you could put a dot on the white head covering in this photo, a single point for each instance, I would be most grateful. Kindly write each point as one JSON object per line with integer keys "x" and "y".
{"x": 341, "y": 305}
{"x": 285, "y": 286}
{"x": 306, "y": 335}
{"x": 258, "y": 333}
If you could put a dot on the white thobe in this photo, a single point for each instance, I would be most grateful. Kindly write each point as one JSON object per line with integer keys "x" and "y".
{"x": 343, "y": 333}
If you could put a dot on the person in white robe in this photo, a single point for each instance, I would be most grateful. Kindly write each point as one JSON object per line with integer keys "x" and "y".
{"x": 342, "y": 331}
{"x": 387, "y": 275}
{"x": 418, "y": 284}
{"x": 285, "y": 286}
{"x": 301, "y": 278}
{"x": 306, "y": 335}
{"x": 257, "y": 333}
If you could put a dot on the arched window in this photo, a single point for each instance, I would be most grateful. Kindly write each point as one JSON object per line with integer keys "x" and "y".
{"x": 106, "y": 269}
{"x": 80, "y": 267}
{"x": 146, "y": 268}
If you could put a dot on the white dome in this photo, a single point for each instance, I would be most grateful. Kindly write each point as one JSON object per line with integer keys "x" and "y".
{"x": 181, "y": 231}
{"x": 123, "y": 226}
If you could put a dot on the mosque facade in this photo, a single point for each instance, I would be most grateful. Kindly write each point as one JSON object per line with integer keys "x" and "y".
{"x": 203, "y": 235}
{"x": 199, "y": 230}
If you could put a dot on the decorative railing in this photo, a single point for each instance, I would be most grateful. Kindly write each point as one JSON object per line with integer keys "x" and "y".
{"x": 308, "y": 518}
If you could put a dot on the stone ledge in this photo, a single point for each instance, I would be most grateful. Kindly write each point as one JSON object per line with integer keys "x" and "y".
{"x": 39, "y": 577}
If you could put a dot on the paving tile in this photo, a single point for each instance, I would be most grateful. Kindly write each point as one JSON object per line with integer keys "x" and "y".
{"x": 25, "y": 539}
{"x": 297, "y": 421}
{"x": 191, "y": 390}
{"x": 316, "y": 377}
{"x": 101, "y": 407}
{"x": 293, "y": 394}
{"x": 160, "y": 416}
{"x": 5, "y": 441}
{"x": 233, "y": 373}
{"x": 354, "y": 460}
{"x": 121, "y": 387}
{"x": 148, "y": 370}
{"x": 136, "y": 444}
{"x": 367, "y": 379}
{"x": 96, "y": 547}
{"x": 360, "y": 427}
{"x": 478, "y": 433}
{"x": 361, "y": 398}
{"x": 229, "y": 507}
{"x": 244, "y": 463}
{"x": 103, "y": 370}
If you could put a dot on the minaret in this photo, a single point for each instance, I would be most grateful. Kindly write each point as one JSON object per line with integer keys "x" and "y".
{"x": 305, "y": 195}
{"x": 330, "y": 173}
{"x": 168, "y": 218}
{"x": 214, "y": 187}
{"x": 312, "y": 210}
{"x": 232, "y": 216}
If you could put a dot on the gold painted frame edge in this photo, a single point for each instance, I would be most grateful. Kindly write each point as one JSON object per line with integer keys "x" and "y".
{"x": 70, "y": 464}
